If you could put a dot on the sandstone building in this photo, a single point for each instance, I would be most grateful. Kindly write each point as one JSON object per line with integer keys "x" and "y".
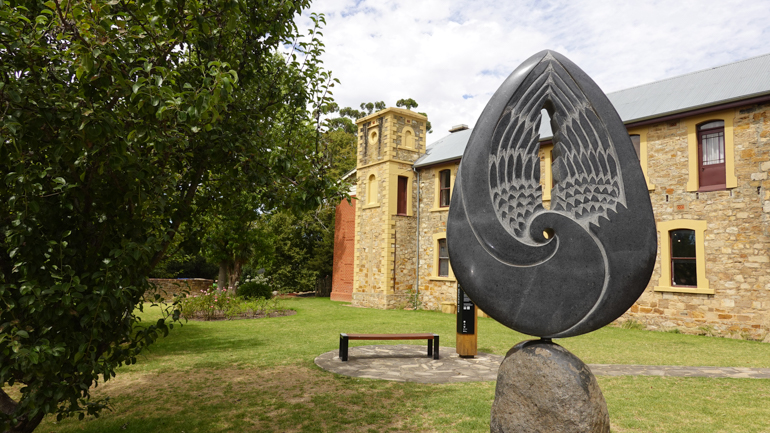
{"x": 703, "y": 140}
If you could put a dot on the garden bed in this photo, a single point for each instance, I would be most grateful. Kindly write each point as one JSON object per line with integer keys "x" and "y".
{"x": 210, "y": 305}
{"x": 201, "y": 317}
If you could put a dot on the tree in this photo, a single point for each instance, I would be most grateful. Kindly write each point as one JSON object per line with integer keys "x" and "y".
{"x": 113, "y": 116}
{"x": 407, "y": 103}
{"x": 302, "y": 248}
{"x": 371, "y": 107}
{"x": 232, "y": 234}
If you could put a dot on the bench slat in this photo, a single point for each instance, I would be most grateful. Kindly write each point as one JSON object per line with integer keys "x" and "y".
{"x": 390, "y": 336}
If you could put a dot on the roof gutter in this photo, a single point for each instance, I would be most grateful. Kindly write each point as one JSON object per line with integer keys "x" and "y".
{"x": 704, "y": 110}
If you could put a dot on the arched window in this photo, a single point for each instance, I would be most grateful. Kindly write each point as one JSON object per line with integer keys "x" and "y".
{"x": 636, "y": 140}
{"x": 711, "y": 155}
{"x": 401, "y": 195}
{"x": 371, "y": 190}
{"x": 711, "y": 152}
{"x": 445, "y": 184}
{"x": 408, "y": 140}
{"x": 442, "y": 269}
{"x": 443, "y": 258}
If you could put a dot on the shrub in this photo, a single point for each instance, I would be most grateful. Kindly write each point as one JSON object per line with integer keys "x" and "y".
{"x": 212, "y": 305}
{"x": 253, "y": 290}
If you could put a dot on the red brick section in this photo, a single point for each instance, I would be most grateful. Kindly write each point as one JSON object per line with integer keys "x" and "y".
{"x": 344, "y": 245}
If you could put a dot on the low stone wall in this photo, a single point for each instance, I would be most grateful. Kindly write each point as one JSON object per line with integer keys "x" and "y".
{"x": 168, "y": 287}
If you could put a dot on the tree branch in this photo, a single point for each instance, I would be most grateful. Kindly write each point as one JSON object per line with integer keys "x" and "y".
{"x": 7, "y": 404}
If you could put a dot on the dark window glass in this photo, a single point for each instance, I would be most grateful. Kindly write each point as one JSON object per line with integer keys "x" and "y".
{"x": 683, "y": 265}
{"x": 711, "y": 155}
{"x": 444, "y": 177}
{"x": 636, "y": 140}
{"x": 443, "y": 259}
{"x": 401, "y": 199}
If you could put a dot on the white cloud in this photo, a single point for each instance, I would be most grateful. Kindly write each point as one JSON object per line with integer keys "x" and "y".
{"x": 451, "y": 55}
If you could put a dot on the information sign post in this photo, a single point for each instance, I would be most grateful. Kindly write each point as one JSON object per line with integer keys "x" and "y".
{"x": 466, "y": 325}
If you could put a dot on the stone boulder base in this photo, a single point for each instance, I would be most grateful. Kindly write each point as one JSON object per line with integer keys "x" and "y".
{"x": 542, "y": 387}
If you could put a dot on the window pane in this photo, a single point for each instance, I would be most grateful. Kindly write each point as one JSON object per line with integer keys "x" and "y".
{"x": 444, "y": 178}
{"x": 443, "y": 267}
{"x": 683, "y": 243}
{"x": 713, "y": 146}
{"x": 401, "y": 198}
{"x": 444, "y": 197}
{"x": 714, "y": 124}
{"x": 442, "y": 252}
{"x": 637, "y": 142}
{"x": 684, "y": 272}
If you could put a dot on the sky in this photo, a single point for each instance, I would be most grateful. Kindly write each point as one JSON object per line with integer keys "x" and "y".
{"x": 451, "y": 55}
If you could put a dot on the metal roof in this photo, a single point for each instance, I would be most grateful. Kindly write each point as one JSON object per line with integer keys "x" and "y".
{"x": 446, "y": 149}
{"x": 709, "y": 87}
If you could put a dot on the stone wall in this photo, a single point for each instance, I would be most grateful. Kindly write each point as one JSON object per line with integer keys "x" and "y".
{"x": 371, "y": 220}
{"x": 433, "y": 289}
{"x": 344, "y": 247}
{"x": 168, "y": 287}
{"x": 737, "y": 237}
{"x": 405, "y": 242}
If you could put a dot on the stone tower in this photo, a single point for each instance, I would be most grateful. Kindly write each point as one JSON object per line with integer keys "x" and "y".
{"x": 389, "y": 142}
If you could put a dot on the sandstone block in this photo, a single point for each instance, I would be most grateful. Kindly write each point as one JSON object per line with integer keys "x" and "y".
{"x": 542, "y": 387}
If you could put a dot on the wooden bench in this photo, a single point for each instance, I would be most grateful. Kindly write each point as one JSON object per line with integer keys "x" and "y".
{"x": 432, "y": 345}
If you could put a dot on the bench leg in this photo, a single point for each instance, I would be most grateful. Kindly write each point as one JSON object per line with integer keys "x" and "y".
{"x": 343, "y": 347}
{"x": 435, "y": 346}
{"x": 430, "y": 348}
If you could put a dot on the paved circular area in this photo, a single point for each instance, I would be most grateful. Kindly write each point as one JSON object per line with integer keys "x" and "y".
{"x": 410, "y": 363}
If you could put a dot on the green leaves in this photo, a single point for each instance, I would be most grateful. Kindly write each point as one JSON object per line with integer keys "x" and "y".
{"x": 119, "y": 122}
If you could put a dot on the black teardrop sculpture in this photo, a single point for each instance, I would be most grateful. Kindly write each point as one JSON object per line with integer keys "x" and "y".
{"x": 601, "y": 253}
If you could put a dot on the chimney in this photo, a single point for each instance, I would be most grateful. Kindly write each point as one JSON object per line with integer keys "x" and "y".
{"x": 456, "y": 128}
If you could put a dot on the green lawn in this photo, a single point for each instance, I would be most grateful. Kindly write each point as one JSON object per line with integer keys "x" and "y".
{"x": 259, "y": 376}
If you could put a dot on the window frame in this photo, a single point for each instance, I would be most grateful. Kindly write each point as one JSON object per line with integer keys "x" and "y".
{"x": 693, "y": 145}
{"x": 643, "y": 150}
{"x": 665, "y": 282}
{"x": 722, "y": 166}
{"x": 406, "y": 142}
{"x": 673, "y": 259}
{"x": 442, "y": 258}
{"x": 372, "y": 188}
{"x": 546, "y": 171}
{"x": 442, "y": 187}
{"x": 402, "y": 191}
{"x": 435, "y": 170}
{"x": 434, "y": 273}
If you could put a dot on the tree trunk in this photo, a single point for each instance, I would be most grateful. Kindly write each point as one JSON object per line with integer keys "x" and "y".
{"x": 222, "y": 281}
{"x": 235, "y": 273}
{"x": 8, "y": 406}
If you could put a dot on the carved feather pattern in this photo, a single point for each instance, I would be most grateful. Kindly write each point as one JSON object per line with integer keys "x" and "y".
{"x": 587, "y": 178}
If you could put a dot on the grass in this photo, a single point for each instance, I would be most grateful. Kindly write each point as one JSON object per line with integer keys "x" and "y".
{"x": 258, "y": 375}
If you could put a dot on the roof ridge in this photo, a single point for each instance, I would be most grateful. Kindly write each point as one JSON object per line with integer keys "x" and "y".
{"x": 690, "y": 73}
